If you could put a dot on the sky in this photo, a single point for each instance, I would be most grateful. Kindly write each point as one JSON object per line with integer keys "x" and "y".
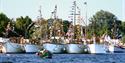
{"x": 17, "y": 8}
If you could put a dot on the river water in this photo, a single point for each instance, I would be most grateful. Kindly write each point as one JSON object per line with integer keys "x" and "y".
{"x": 64, "y": 58}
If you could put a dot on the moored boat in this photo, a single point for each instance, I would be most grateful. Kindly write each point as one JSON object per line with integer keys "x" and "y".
{"x": 10, "y": 47}
{"x": 55, "y": 44}
{"x": 30, "y": 47}
{"x": 97, "y": 48}
{"x": 75, "y": 48}
{"x": 54, "y": 48}
{"x": 13, "y": 48}
{"x": 75, "y": 32}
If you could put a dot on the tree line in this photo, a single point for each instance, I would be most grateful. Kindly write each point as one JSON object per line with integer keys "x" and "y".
{"x": 103, "y": 22}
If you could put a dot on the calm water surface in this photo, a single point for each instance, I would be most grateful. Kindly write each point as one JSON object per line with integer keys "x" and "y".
{"x": 64, "y": 58}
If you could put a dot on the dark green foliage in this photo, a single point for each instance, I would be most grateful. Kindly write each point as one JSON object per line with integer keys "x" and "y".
{"x": 104, "y": 22}
{"x": 22, "y": 24}
{"x": 65, "y": 25}
{"x": 123, "y": 39}
{"x": 3, "y": 23}
{"x": 100, "y": 23}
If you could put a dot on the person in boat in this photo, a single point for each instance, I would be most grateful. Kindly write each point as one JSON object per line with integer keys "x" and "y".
{"x": 7, "y": 29}
{"x": 94, "y": 39}
{"x": 79, "y": 41}
{"x": 84, "y": 40}
{"x": 1, "y": 47}
{"x": 70, "y": 35}
{"x": 102, "y": 38}
{"x": 22, "y": 40}
{"x": 44, "y": 53}
{"x": 66, "y": 40}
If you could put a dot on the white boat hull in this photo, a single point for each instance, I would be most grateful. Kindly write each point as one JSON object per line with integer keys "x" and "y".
{"x": 97, "y": 48}
{"x": 111, "y": 48}
{"x": 75, "y": 48}
{"x": 31, "y": 48}
{"x": 54, "y": 48}
{"x": 13, "y": 48}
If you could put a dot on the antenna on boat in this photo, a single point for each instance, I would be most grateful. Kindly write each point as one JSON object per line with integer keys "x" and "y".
{"x": 55, "y": 17}
{"x": 40, "y": 18}
{"x": 73, "y": 18}
{"x": 54, "y": 13}
{"x": 85, "y": 3}
{"x": 76, "y": 18}
{"x": 80, "y": 21}
{"x": 40, "y": 12}
{"x": 74, "y": 8}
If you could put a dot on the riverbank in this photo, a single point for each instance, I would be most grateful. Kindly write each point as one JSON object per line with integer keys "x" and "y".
{"x": 64, "y": 58}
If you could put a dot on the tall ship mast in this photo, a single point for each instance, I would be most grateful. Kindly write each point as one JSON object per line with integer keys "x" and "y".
{"x": 75, "y": 44}
{"x": 54, "y": 46}
{"x": 76, "y": 22}
{"x": 31, "y": 47}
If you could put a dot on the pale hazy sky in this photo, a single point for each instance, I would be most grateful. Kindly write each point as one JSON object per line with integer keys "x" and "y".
{"x": 17, "y": 8}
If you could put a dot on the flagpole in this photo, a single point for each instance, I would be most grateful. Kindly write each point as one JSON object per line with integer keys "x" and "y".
{"x": 85, "y": 3}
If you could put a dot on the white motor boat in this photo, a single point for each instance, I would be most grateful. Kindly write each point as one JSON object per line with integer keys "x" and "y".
{"x": 75, "y": 48}
{"x": 13, "y": 48}
{"x": 97, "y": 48}
{"x": 31, "y": 48}
{"x": 54, "y": 48}
{"x": 10, "y": 47}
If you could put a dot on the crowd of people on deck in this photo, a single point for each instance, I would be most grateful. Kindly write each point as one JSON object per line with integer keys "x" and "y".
{"x": 105, "y": 38}
{"x": 69, "y": 38}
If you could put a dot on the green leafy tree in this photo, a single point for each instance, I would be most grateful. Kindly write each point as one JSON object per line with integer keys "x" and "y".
{"x": 41, "y": 29}
{"x": 3, "y": 23}
{"x": 65, "y": 25}
{"x": 103, "y": 22}
{"x": 123, "y": 28}
{"x": 22, "y": 25}
{"x": 123, "y": 39}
